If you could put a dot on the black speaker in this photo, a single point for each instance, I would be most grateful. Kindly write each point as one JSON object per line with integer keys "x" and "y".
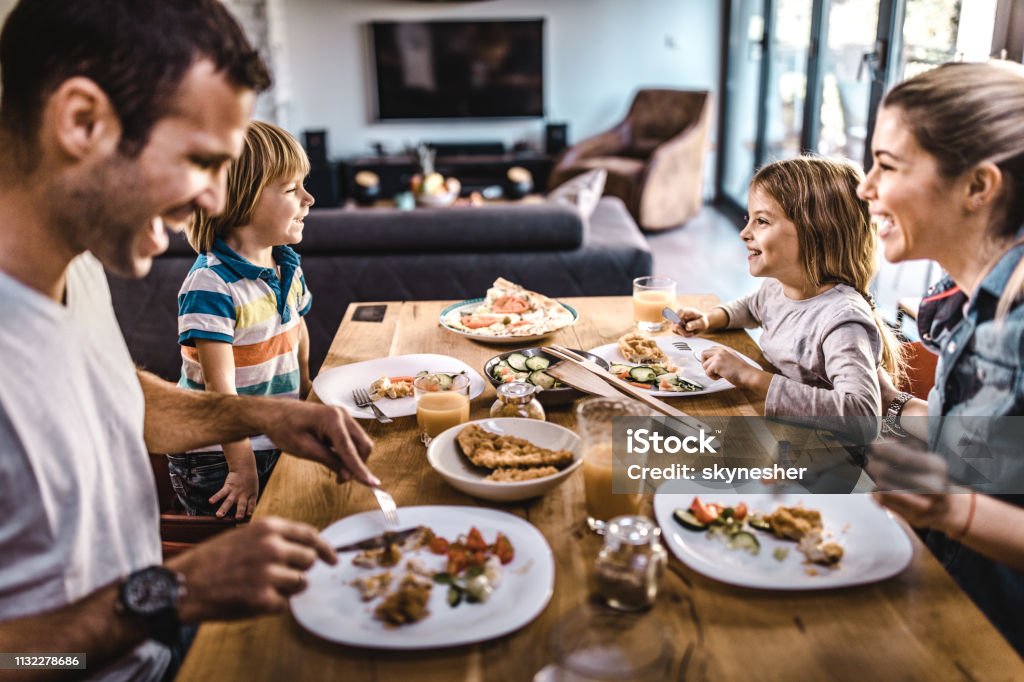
{"x": 322, "y": 183}
{"x": 556, "y": 137}
{"x": 315, "y": 142}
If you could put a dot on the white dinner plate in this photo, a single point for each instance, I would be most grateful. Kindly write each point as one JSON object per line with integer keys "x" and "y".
{"x": 875, "y": 546}
{"x": 445, "y": 456}
{"x": 331, "y": 607}
{"x": 687, "y": 362}
{"x": 334, "y": 386}
{"x": 472, "y": 304}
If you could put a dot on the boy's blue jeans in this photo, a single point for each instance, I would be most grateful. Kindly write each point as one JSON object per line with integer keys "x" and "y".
{"x": 197, "y": 477}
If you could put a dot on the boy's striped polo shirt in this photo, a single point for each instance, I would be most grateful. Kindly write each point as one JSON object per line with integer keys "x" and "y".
{"x": 226, "y": 298}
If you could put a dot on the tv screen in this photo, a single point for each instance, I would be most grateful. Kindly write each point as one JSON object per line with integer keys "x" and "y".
{"x": 458, "y": 69}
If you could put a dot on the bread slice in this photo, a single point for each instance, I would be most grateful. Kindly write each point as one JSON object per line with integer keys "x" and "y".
{"x": 494, "y": 451}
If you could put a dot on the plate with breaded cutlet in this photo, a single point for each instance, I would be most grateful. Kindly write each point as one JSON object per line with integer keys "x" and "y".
{"x": 505, "y": 459}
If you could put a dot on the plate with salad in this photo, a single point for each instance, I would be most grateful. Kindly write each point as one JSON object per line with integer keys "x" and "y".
{"x": 389, "y": 381}
{"x": 659, "y": 365}
{"x": 783, "y": 542}
{"x": 530, "y": 365}
{"x": 479, "y": 574}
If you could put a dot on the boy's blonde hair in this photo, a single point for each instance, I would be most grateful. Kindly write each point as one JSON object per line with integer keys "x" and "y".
{"x": 964, "y": 114}
{"x": 269, "y": 154}
{"x": 837, "y": 242}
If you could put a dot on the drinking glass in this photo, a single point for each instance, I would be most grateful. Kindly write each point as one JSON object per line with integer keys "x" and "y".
{"x": 439, "y": 405}
{"x": 650, "y": 296}
{"x": 594, "y": 421}
{"x": 591, "y": 644}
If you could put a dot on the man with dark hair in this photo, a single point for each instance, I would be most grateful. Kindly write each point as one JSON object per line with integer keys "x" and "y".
{"x": 118, "y": 119}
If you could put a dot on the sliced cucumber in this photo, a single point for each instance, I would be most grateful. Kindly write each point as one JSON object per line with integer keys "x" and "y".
{"x": 444, "y": 381}
{"x": 517, "y": 361}
{"x": 659, "y": 369}
{"x": 644, "y": 375}
{"x": 620, "y": 369}
{"x": 542, "y": 380}
{"x": 522, "y": 376}
{"x": 745, "y": 541}
{"x": 687, "y": 520}
{"x": 537, "y": 362}
{"x": 758, "y": 522}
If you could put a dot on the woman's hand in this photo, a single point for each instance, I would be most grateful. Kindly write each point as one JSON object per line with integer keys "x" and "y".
{"x": 241, "y": 490}
{"x": 694, "y": 322}
{"x": 915, "y": 484}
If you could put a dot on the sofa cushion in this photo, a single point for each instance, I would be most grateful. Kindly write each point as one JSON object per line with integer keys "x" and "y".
{"x": 458, "y": 229}
{"x": 583, "y": 191}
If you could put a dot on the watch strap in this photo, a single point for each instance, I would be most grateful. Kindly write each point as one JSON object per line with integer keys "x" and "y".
{"x": 894, "y": 412}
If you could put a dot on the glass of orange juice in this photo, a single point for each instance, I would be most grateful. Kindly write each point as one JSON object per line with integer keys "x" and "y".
{"x": 440, "y": 404}
{"x": 594, "y": 421}
{"x": 651, "y": 295}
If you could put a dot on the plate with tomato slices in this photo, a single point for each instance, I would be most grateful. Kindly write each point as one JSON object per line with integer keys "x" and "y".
{"x": 681, "y": 375}
{"x": 331, "y": 606}
{"x": 524, "y": 326}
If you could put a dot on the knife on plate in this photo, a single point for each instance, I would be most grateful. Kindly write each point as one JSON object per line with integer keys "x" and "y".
{"x": 378, "y": 541}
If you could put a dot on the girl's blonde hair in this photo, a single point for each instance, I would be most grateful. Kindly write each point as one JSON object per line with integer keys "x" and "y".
{"x": 965, "y": 114}
{"x": 269, "y": 154}
{"x": 837, "y": 243}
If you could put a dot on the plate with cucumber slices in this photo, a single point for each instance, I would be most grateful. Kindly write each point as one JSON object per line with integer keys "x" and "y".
{"x": 334, "y": 386}
{"x": 528, "y": 365}
{"x": 679, "y": 374}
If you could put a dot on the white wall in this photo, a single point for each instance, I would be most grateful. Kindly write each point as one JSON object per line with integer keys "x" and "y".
{"x": 596, "y": 52}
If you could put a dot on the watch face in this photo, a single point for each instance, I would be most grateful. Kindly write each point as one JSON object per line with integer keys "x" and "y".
{"x": 150, "y": 590}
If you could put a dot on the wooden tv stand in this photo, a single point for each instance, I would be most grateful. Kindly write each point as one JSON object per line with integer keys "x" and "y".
{"x": 474, "y": 171}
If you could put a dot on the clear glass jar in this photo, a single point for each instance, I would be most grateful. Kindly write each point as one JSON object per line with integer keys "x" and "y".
{"x": 631, "y": 563}
{"x": 517, "y": 399}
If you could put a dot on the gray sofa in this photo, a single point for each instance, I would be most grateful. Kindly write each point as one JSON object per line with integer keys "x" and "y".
{"x": 351, "y": 255}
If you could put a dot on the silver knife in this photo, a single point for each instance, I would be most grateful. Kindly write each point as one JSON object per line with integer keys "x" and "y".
{"x": 378, "y": 541}
{"x": 671, "y": 316}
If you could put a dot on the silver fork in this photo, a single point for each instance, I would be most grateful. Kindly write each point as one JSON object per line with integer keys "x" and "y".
{"x": 387, "y": 506}
{"x": 682, "y": 345}
{"x": 362, "y": 399}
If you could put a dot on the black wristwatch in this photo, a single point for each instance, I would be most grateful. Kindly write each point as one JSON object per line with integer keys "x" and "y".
{"x": 150, "y": 597}
{"x": 894, "y": 412}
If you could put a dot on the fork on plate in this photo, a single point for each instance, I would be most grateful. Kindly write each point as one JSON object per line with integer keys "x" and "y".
{"x": 682, "y": 345}
{"x": 362, "y": 399}
{"x": 387, "y": 506}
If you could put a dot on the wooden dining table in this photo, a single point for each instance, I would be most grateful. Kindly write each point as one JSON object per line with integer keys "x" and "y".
{"x": 917, "y": 625}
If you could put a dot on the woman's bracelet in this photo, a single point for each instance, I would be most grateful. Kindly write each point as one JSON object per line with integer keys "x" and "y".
{"x": 970, "y": 518}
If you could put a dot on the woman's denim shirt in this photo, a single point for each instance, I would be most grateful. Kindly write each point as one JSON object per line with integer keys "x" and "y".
{"x": 977, "y": 398}
{"x": 979, "y": 381}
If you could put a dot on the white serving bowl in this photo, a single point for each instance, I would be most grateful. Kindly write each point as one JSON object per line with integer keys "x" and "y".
{"x": 445, "y": 456}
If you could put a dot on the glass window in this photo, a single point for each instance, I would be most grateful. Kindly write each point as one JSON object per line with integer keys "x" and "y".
{"x": 787, "y": 79}
{"x": 742, "y": 90}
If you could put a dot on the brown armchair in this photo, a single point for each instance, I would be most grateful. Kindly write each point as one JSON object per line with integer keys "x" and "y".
{"x": 654, "y": 157}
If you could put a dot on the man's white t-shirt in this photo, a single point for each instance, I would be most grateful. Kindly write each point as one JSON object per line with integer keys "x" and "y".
{"x": 78, "y": 505}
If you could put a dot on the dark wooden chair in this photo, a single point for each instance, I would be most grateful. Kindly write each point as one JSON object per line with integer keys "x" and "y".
{"x": 178, "y": 530}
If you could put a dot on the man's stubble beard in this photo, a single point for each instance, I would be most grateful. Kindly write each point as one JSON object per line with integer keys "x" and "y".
{"x": 105, "y": 214}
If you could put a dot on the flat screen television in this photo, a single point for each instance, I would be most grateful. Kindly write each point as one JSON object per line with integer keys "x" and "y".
{"x": 458, "y": 69}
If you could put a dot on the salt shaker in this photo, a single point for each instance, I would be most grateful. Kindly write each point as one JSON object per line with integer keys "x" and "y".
{"x": 631, "y": 563}
{"x": 517, "y": 399}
